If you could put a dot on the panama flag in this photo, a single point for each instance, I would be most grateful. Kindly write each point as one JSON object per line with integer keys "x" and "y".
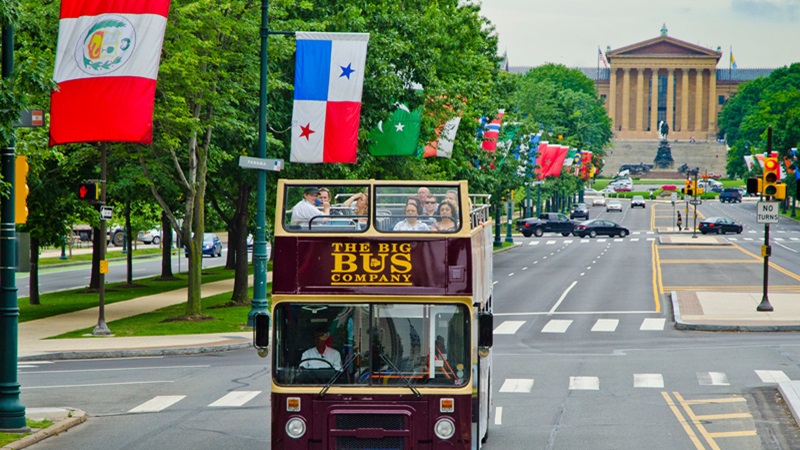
{"x": 328, "y": 79}
{"x": 106, "y": 68}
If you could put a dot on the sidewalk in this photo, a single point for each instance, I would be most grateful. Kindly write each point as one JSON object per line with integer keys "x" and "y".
{"x": 33, "y": 342}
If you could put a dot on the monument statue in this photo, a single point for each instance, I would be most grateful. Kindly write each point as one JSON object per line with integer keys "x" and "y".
{"x": 664, "y": 155}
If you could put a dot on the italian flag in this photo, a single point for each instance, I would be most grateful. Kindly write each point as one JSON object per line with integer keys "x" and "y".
{"x": 106, "y": 69}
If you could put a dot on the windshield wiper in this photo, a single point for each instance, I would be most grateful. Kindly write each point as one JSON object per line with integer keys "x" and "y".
{"x": 408, "y": 383}
{"x": 336, "y": 376}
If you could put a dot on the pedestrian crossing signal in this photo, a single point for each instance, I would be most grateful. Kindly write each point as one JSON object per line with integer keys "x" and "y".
{"x": 88, "y": 191}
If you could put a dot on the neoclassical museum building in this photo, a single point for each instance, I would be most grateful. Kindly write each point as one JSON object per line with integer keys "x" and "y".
{"x": 665, "y": 79}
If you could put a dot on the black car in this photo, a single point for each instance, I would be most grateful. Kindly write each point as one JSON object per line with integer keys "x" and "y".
{"x": 593, "y": 228}
{"x": 579, "y": 210}
{"x": 720, "y": 225}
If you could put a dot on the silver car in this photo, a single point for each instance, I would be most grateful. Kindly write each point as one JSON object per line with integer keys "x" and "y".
{"x": 613, "y": 205}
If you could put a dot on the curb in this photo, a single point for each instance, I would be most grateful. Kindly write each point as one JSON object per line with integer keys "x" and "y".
{"x": 131, "y": 353}
{"x": 790, "y": 391}
{"x": 89, "y": 262}
{"x": 77, "y": 417}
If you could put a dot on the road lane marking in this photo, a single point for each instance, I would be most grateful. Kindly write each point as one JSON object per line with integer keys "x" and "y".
{"x": 158, "y": 403}
{"x": 648, "y": 380}
{"x": 568, "y": 313}
{"x": 62, "y": 386}
{"x": 563, "y": 296}
{"x": 498, "y": 415}
{"x": 205, "y": 366}
{"x": 511, "y": 274}
{"x": 533, "y": 243}
{"x": 584, "y": 384}
{"x": 509, "y": 327}
{"x": 557, "y": 326}
{"x": 550, "y": 242}
{"x": 517, "y": 385}
{"x": 712, "y": 379}
{"x": 605, "y": 325}
{"x": 235, "y": 398}
{"x": 772, "y": 376}
{"x": 653, "y": 324}
{"x": 683, "y": 422}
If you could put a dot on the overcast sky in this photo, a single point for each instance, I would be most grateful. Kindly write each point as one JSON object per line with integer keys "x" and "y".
{"x": 762, "y": 33}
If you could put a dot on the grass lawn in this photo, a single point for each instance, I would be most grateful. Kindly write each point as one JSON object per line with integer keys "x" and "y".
{"x": 77, "y": 299}
{"x": 87, "y": 257}
{"x": 7, "y": 438}
{"x": 225, "y": 318}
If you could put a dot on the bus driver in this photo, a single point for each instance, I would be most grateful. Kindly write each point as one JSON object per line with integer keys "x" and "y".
{"x": 320, "y": 351}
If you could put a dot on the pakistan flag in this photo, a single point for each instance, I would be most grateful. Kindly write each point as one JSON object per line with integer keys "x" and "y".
{"x": 397, "y": 136}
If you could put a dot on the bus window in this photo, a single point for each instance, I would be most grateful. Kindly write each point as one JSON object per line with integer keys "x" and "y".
{"x": 418, "y": 209}
{"x": 371, "y": 344}
{"x": 326, "y": 209}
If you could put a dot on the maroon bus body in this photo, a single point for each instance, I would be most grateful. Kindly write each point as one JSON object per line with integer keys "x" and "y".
{"x": 351, "y": 421}
{"x": 305, "y": 265}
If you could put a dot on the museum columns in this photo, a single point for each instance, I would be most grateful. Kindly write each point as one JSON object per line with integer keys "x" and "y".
{"x": 654, "y": 99}
{"x": 670, "y": 98}
{"x": 698, "y": 100}
{"x": 626, "y": 98}
{"x": 684, "y": 100}
{"x": 640, "y": 125}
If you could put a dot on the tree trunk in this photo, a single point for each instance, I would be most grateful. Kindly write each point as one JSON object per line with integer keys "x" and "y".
{"x": 239, "y": 246}
{"x": 94, "y": 280}
{"x": 128, "y": 243}
{"x": 194, "y": 294}
{"x": 33, "y": 286}
{"x": 166, "y": 248}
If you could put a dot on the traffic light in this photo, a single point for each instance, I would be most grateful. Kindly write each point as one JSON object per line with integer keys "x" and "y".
{"x": 754, "y": 186}
{"x": 21, "y": 189}
{"x": 88, "y": 191}
{"x": 772, "y": 187}
{"x": 688, "y": 189}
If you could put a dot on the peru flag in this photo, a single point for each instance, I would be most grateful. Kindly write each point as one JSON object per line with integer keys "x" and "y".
{"x": 328, "y": 80}
{"x": 106, "y": 68}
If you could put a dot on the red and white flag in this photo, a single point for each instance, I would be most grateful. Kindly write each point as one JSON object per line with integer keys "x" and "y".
{"x": 106, "y": 69}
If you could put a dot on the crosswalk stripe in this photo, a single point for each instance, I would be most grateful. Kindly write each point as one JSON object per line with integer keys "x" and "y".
{"x": 648, "y": 380}
{"x": 556, "y": 326}
{"x": 584, "y": 383}
{"x": 517, "y": 385}
{"x": 772, "y": 376}
{"x": 159, "y": 403}
{"x": 509, "y": 327}
{"x": 550, "y": 242}
{"x": 498, "y": 415}
{"x": 635, "y": 240}
{"x": 235, "y": 398}
{"x": 605, "y": 325}
{"x": 712, "y": 379}
{"x": 653, "y": 324}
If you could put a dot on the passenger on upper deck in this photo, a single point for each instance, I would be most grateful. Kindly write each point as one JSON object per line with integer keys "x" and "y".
{"x": 452, "y": 195}
{"x": 430, "y": 206}
{"x": 358, "y": 202}
{"x": 306, "y": 209}
{"x": 447, "y": 217}
{"x": 410, "y": 223}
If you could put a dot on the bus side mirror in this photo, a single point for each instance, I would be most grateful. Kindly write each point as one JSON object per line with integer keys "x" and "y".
{"x": 261, "y": 334}
{"x": 485, "y": 330}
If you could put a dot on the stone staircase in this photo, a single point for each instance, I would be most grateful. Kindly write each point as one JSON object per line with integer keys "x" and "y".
{"x": 708, "y": 156}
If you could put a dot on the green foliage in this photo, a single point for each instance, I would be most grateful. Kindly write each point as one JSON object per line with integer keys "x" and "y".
{"x": 772, "y": 101}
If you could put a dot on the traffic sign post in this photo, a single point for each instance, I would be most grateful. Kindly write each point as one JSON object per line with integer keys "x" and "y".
{"x": 106, "y": 213}
{"x": 767, "y": 212}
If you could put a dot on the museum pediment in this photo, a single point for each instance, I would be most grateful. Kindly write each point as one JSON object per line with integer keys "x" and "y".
{"x": 663, "y": 46}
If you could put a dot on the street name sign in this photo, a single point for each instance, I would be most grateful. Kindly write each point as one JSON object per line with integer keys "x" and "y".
{"x": 767, "y": 212}
{"x": 695, "y": 202}
{"x": 249, "y": 162}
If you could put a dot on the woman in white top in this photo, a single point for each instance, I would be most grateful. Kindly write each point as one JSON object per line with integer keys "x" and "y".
{"x": 410, "y": 223}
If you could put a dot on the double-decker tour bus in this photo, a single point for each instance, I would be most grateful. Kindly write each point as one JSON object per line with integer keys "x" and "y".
{"x": 381, "y": 316}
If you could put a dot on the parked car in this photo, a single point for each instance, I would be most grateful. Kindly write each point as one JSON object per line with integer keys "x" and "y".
{"x": 607, "y": 190}
{"x": 623, "y": 189}
{"x": 720, "y": 225}
{"x": 637, "y": 201}
{"x": 730, "y": 195}
{"x": 150, "y": 237}
{"x": 614, "y": 205}
{"x": 669, "y": 187}
{"x": 713, "y": 175}
{"x": 599, "y": 201}
{"x": 593, "y": 228}
{"x": 212, "y": 246}
{"x": 579, "y": 210}
{"x": 590, "y": 191}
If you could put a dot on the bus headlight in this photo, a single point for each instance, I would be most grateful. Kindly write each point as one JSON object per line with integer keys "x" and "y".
{"x": 444, "y": 428}
{"x": 295, "y": 428}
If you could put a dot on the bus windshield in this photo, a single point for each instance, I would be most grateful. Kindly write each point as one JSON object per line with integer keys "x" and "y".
{"x": 372, "y": 344}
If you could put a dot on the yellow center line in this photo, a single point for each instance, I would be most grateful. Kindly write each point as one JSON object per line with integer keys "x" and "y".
{"x": 725, "y": 416}
{"x": 773, "y": 265}
{"x": 724, "y": 434}
{"x": 658, "y": 287}
{"x": 713, "y": 401}
{"x": 708, "y": 261}
{"x": 684, "y": 423}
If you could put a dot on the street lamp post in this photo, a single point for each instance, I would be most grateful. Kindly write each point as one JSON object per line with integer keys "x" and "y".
{"x": 509, "y": 239}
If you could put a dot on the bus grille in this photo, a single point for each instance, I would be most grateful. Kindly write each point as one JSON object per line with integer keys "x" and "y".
{"x": 353, "y": 443}
{"x": 380, "y": 421}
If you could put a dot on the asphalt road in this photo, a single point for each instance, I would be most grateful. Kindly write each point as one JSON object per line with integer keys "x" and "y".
{"x": 585, "y": 356}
